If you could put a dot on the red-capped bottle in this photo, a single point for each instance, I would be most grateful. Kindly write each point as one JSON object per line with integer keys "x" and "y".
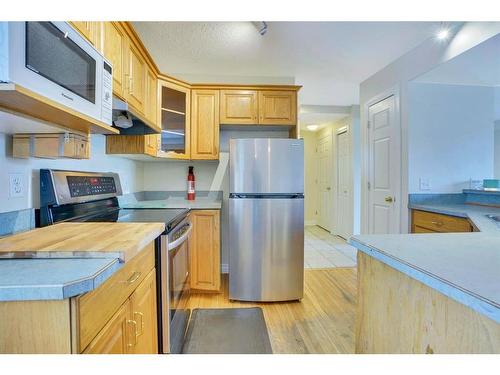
{"x": 190, "y": 185}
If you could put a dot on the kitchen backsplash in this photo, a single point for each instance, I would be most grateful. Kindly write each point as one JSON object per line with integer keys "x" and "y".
{"x": 16, "y": 221}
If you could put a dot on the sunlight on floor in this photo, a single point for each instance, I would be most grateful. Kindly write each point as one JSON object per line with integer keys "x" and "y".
{"x": 323, "y": 250}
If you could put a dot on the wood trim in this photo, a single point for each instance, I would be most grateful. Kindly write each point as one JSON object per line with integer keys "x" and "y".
{"x": 173, "y": 80}
{"x": 132, "y": 34}
{"x": 263, "y": 87}
{"x": 19, "y": 99}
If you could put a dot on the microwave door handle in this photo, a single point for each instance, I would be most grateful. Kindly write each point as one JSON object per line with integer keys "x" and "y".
{"x": 181, "y": 239}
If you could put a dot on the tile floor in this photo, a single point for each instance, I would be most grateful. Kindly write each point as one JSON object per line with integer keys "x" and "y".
{"x": 323, "y": 250}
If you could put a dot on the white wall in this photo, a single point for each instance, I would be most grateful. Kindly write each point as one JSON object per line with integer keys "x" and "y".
{"x": 450, "y": 136}
{"x": 496, "y": 162}
{"x": 130, "y": 171}
{"x": 356, "y": 168}
{"x": 396, "y": 76}
{"x": 210, "y": 175}
{"x": 310, "y": 177}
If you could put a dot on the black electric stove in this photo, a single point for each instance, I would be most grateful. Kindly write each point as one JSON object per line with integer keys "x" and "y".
{"x": 69, "y": 196}
{"x": 92, "y": 197}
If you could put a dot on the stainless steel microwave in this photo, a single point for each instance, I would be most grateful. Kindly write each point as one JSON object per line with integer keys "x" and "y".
{"x": 52, "y": 59}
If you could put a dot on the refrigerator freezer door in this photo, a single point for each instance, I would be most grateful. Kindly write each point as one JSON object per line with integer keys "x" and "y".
{"x": 266, "y": 166}
{"x": 266, "y": 259}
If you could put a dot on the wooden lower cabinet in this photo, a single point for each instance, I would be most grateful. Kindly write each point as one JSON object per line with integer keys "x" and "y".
{"x": 430, "y": 222}
{"x": 119, "y": 317}
{"x": 204, "y": 249}
{"x": 143, "y": 312}
{"x": 116, "y": 336}
{"x": 397, "y": 314}
{"x": 133, "y": 328}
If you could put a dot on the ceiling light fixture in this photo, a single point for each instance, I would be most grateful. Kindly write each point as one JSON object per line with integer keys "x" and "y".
{"x": 312, "y": 127}
{"x": 443, "y": 32}
{"x": 261, "y": 27}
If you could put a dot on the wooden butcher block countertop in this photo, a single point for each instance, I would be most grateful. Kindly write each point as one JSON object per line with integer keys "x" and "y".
{"x": 82, "y": 240}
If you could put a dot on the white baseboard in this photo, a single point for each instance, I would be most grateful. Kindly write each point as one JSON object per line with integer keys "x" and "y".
{"x": 309, "y": 222}
{"x": 224, "y": 268}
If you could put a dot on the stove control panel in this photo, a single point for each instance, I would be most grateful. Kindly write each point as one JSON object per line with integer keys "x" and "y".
{"x": 80, "y": 186}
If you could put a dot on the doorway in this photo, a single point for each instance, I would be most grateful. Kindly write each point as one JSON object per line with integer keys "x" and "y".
{"x": 324, "y": 150}
{"x": 384, "y": 167}
{"x": 343, "y": 209}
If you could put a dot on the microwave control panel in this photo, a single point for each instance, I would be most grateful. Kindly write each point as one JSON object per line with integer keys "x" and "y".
{"x": 107, "y": 93}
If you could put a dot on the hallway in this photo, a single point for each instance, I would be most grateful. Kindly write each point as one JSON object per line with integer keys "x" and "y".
{"x": 323, "y": 250}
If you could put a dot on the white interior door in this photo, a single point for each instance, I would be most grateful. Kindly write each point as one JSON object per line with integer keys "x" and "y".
{"x": 324, "y": 180}
{"x": 343, "y": 211}
{"x": 385, "y": 168}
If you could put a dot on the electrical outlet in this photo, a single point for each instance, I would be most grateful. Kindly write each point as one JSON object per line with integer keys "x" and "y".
{"x": 425, "y": 184}
{"x": 16, "y": 185}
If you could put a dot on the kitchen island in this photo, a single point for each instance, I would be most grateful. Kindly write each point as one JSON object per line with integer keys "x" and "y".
{"x": 79, "y": 287}
{"x": 431, "y": 293}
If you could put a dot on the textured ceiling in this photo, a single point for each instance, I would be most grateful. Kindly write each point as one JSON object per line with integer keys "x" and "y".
{"x": 330, "y": 59}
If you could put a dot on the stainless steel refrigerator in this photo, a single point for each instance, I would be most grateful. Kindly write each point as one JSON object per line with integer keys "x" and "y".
{"x": 266, "y": 219}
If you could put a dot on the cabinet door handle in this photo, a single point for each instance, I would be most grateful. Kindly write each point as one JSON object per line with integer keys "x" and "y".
{"x": 141, "y": 324}
{"x": 437, "y": 223}
{"x": 130, "y": 85}
{"x": 127, "y": 82}
{"x": 135, "y": 276}
{"x": 134, "y": 323}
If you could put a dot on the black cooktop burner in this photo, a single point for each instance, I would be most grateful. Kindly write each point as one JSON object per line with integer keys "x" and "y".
{"x": 170, "y": 217}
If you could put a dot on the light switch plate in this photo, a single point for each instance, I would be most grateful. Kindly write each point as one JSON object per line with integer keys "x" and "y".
{"x": 425, "y": 184}
{"x": 16, "y": 185}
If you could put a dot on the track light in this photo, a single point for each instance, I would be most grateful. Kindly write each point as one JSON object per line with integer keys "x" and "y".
{"x": 261, "y": 27}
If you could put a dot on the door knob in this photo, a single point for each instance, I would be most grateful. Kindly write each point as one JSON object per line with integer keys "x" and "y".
{"x": 388, "y": 199}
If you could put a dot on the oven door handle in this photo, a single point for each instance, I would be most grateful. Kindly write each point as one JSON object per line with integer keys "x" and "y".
{"x": 181, "y": 239}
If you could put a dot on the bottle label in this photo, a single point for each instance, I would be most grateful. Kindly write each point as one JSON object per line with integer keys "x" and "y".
{"x": 190, "y": 187}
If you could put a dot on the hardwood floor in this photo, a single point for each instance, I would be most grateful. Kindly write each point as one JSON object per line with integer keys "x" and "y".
{"x": 323, "y": 322}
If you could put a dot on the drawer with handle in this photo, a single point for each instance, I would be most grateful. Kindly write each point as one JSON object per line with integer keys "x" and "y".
{"x": 430, "y": 221}
{"x": 94, "y": 309}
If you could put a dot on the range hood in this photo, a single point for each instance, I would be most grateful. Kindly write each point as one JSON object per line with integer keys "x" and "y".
{"x": 128, "y": 121}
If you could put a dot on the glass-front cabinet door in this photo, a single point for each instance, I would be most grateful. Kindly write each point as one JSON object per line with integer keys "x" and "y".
{"x": 175, "y": 105}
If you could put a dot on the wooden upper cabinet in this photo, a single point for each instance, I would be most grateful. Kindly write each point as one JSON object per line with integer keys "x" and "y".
{"x": 91, "y": 30}
{"x": 151, "y": 104}
{"x": 135, "y": 78}
{"x": 205, "y": 124}
{"x": 238, "y": 107}
{"x": 114, "y": 43}
{"x": 175, "y": 120}
{"x": 204, "y": 250}
{"x": 277, "y": 107}
{"x": 117, "y": 335}
{"x": 143, "y": 303}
